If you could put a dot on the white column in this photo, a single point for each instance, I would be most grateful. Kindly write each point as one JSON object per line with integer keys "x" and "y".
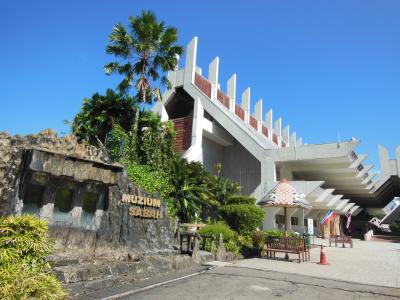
{"x": 278, "y": 130}
{"x": 300, "y": 215}
{"x": 293, "y": 139}
{"x": 197, "y": 127}
{"x": 384, "y": 161}
{"x": 258, "y": 114}
{"x": 299, "y": 142}
{"x": 199, "y": 70}
{"x": 269, "y": 123}
{"x": 285, "y": 135}
{"x": 195, "y": 152}
{"x": 191, "y": 55}
{"x": 290, "y": 213}
{"x": 213, "y": 70}
{"x": 246, "y": 105}
{"x": 232, "y": 92}
{"x": 269, "y": 220}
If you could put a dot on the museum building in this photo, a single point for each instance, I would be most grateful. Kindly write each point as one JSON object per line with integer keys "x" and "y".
{"x": 257, "y": 151}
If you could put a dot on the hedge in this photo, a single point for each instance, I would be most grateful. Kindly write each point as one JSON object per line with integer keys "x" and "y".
{"x": 242, "y": 218}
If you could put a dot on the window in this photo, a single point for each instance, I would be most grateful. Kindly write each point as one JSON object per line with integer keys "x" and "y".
{"x": 33, "y": 198}
{"x": 62, "y": 205}
{"x": 89, "y": 205}
{"x": 278, "y": 173}
{"x": 294, "y": 221}
{"x": 89, "y": 202}
{"x": 279, "y": 219}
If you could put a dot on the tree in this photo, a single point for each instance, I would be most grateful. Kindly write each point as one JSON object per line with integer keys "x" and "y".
{"x": 143, "y": 55}
{"x": 222, "y": 188}
{"x": 100, "y": 113}
{"x": 243, "y": 218}
{"x": 190, "y": 196}
{"x": 156, "y": 140}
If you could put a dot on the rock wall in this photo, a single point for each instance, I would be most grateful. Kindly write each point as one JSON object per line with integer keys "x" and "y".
{"x": 54, "y": 162}
{"x": 13, "y": 149}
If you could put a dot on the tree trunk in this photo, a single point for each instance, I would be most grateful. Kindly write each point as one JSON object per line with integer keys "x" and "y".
{"x": 135, "y": 136}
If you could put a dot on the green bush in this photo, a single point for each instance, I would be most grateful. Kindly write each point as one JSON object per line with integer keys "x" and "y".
{"x": 148, "y": 180}
{"x": 241, "y": 199}
{"x": 23, "y": 239}
{"x": 242, "y": 218}
{"x": 232, "y": 246}
{"x": 277, "y": 233}
{"x": 24, "y": 273}
{"x": 217, "y": 228}
{"x": 258, "y": 239}
{"x": 395, "y": 226}
{"x": 18, "y": 281}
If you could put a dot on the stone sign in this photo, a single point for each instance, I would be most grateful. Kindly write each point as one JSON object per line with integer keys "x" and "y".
{"x": 143, "y": 212}
{"x": 90, "y": 203}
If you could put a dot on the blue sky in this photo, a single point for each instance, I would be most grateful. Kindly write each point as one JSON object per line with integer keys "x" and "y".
{"x": 325, "y": 67}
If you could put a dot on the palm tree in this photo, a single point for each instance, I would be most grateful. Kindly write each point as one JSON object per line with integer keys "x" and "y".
{"x": 190, "y": 192}
{"x": 143, "y": 55}
{"x": 222, "y": 188}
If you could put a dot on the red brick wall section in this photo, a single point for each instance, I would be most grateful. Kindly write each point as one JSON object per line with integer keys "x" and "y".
{"x": 239, "y": 112}
{"x": 253, "y": 122}
{"x": 223, "y": 98}
{"x": 275, "y": 138}
{"x": 183, "y": 126}
{"x": 203, "y": 84}
{"x": 183, "y": 131}
{"x": 265, "y": 131}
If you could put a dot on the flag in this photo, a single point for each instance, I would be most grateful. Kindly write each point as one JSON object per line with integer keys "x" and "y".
{"x": 328, "y": 217}
{"x": 348, "y": 215}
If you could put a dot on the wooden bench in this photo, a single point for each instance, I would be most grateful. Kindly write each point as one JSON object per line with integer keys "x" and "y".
{"x": 288, "y": 245}
{"x": 337, "y": 239}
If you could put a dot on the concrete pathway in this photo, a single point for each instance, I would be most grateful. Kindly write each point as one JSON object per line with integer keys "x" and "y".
{"x": 373, "y": 263}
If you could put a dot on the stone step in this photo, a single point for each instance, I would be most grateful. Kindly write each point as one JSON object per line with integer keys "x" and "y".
{"x": 82, "y": 278}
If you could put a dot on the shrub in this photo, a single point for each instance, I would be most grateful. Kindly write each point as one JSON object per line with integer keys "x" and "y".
{"x": 277, "y": 233}
{"x": 232, "y": 246}
{"x": 241, "y": 199}
{"x": 24, "y": 274}
{"x": 242, "y": 218}
{"x": 18, "y": 281}
{"x": 258, "y": 239}
{"x": 23, "y": 239}
{"x": 217, "y": 228}
{"x": 395, "y": 226}
{"x": 150, "y": 181}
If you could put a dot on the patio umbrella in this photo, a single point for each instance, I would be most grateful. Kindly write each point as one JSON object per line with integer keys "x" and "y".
{"x": 284, "y": 195}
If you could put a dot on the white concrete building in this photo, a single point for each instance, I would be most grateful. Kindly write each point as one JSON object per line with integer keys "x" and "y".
{"x": 257, "y": 150}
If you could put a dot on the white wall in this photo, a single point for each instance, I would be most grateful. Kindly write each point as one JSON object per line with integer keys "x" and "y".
{"x": 240, "y": 166}
{"x": 212, "y": 154}
{"x": 237, "y": 164}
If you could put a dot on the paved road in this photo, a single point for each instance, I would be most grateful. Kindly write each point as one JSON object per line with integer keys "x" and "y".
{"x": 233, "y": 282}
